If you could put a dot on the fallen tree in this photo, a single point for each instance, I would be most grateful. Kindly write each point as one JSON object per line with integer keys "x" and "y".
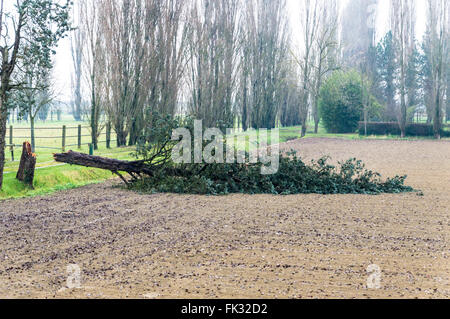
{"x": 157, "y": 172}
{"x": 293, "y": 177}
{"x": 134, "y": 169}
{"x": 156, "y": 154}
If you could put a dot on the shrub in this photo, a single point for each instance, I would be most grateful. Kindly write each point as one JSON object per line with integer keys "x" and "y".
{"x": 340, "y": 105}
{"x": 392, "y": 128}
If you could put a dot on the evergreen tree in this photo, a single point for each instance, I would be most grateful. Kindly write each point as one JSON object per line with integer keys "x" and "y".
{"x": 387, "y": 69}
{"x": 413, "y": 83}
{"x": 425, "y": 78}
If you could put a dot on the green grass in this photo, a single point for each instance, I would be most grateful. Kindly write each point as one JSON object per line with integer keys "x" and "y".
{"x": 55, "y": 177}
{"x": 51, "y": 176}
{"x": 50, "y": 180}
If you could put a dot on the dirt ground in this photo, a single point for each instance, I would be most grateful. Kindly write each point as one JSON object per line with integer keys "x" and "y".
{"x": 129, "y": 245}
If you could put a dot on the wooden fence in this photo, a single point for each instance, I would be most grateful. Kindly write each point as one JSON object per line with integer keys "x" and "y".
{"x": 62, "y": 138}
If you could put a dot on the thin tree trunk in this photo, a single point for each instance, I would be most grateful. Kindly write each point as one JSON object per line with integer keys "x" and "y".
{"x": 437, "y": 126}
{"x": 94, "y": 120}
{"x": 121, "y": 134}
{"x": 244, "y": 111}
{"x": 3, "y": 119}
{"x": 33, "y": 145}
{"x": 402, "y": 119}
{"x": 304, "y": 110}
{"x": 304, "y": 129}
{"x": 316, "y": 115}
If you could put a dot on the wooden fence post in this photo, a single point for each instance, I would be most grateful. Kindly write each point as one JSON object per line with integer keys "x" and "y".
{"x": 108, "y": 135}
{"x": 64, "y": 138}
{"x": 79, "y": 136}
{"x": 11, "y": 140}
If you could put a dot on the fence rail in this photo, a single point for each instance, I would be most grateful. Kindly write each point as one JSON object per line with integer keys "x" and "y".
{"x": 61, "y": 140}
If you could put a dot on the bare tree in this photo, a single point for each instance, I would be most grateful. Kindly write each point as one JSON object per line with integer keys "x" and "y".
{"x": 77, "y": 42}
{"x": 438, "y": 25}
{"x": 92, "y": 62}
{"x": 324, "y": 52}
{"x": 213, "y": 54}
{"x": 311, "y": 19}
{"x": 166, "y": 26}
{"x": 36, "y": 92}
{"x": 267, "y": 35}
{"x": 143, "y": 45}
{"x": 402, "y": 24}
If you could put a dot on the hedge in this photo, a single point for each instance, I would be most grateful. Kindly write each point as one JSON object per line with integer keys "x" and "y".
{"x": 392, "y": 128}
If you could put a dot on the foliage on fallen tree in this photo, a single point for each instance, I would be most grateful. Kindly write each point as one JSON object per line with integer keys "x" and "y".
{"x": 154, "y": 171}
{"x": 293, "y": 177}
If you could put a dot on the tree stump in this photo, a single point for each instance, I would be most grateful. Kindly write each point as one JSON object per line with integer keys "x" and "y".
{"x": 27, "y": 165}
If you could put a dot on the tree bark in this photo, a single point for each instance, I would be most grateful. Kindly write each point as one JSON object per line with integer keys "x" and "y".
{"x": 33, "y": 139}
{"x": 134, "y": 169}
{"x": 94, "y": 120}
{"x": 316, "y": 113}
{"x": 113, "y": 165}
{"x": 27, "y": 165}
{"x": 3, "y": 119}
{"x": 304, "y": 127}
{"x": 437, "y": 121}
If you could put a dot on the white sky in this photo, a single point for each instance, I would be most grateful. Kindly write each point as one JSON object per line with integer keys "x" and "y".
{"x": 63, "y": 59}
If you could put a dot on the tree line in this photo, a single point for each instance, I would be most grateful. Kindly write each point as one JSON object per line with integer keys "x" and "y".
{"x": 405, "y": 74}
{"x": 222, "y": 61}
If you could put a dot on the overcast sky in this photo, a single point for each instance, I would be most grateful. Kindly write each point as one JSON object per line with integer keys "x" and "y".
{"x": 63, "y": 60}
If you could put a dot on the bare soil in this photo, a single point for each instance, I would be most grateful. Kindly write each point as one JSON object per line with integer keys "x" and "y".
{"x": 129, "y": 245}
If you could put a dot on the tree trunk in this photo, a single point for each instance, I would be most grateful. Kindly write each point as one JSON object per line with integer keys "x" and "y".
{"x": 27, "y": 165}
{"x": 304, "y": 127}
{"x": 403, "y": 117}
{"x": 94, "y": 126}
{"x": 316, "y": 115}
{"x": 134, "y": 133}
{"x": 33, "y": 140}
{"x": 304, "y": 112}
{"x": 244, "y": 107}
{"x": 402, "y": 120}
{"x": 113, "y": 165}
{"x": 120, "y": 133}
{"x": 94, "y": 106}
{"x": 3, "y": 118}
{"x": 437, "y": 125}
